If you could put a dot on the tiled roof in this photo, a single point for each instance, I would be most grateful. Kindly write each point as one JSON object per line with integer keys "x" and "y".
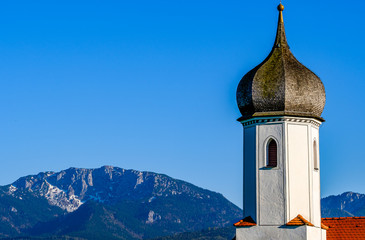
{"x": 299, "y": 221}
{"x": 345, "y": 228}
{"x": 246, "y": 222}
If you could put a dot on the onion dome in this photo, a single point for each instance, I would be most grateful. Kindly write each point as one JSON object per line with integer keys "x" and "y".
{"x": 281, "y": 85}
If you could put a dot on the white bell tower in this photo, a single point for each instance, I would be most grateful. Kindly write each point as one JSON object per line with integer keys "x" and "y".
{"x": 281, "y": 102}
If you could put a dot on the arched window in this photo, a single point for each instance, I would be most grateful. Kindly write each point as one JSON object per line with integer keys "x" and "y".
{"x": 272, "y": 153}
{"x": 315, "y": 156}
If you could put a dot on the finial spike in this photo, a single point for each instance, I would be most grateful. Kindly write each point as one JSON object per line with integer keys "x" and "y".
{"x": 281, "y": 9}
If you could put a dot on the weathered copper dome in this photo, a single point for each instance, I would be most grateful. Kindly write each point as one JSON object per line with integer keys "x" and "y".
{"x": 281, "y": 85}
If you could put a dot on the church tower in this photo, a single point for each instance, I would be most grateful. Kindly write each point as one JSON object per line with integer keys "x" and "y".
{"x": 281, "y": 102}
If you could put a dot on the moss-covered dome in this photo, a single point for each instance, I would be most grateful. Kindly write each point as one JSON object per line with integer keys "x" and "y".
{"x": 281, "y": 85}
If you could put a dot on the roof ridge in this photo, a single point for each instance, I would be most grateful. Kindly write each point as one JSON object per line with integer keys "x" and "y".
{"x": 325, "y": 227}
{"x": 340, "y": 218}
{"x": 299, "y": 221}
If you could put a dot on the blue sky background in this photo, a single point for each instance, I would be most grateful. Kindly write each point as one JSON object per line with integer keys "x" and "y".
{"x": 150, "y": 85}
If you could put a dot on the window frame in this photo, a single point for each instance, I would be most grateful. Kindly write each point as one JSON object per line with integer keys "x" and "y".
{"x": 267, "y": 153}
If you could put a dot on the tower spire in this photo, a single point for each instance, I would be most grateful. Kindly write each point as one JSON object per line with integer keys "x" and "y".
{"x": 280, "y": 85}
{"x": 281, "y": 9}
{"x": 280, "y": 40}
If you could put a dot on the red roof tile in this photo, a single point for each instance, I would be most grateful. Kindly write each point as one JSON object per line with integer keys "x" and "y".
{"x": 345, "y": 228}
{"x": 299, "y": 221}
{"x": 246, "y": 222}
{"x": 324, "y": 226}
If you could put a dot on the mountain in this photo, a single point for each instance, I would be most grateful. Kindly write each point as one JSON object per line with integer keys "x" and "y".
{"x": 115, "y": 203}
{"x": 21, "y": 211}
{"x": 83, "y": 203}
{"x": 347, "y": 204}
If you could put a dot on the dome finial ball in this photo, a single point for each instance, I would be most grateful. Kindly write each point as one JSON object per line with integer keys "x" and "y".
{"x": 281, "y": 7}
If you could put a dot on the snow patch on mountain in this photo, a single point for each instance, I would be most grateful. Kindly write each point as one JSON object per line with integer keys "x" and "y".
{"x": 96, "y": 198}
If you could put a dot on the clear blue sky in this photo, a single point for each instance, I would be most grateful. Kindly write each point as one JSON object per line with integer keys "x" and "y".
{"x": 150, "y": 85}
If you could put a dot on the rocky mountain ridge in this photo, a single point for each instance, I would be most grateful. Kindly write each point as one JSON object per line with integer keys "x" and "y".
{"x": 348, "y": 204}
{"x": 70, "y": 188}
{"x": 112, "y": 198}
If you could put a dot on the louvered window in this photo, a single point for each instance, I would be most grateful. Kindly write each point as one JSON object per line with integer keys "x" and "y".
{"x": 272, "y": 154}
{"x": 315, "y": 156}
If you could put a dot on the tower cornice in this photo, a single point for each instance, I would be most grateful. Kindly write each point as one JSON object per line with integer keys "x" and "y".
{"x": 277, "y": 119}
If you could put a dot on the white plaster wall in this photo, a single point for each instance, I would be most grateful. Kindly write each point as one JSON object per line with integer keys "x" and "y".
{"x": 316, "y": 192}
{"x": 280, "y": 233}
{"x": 314, "y": 233}
{"x": 270, "y": 180}
{"x": 272, "y": 233}
{"x": 298, "y": 170}
{"x": 274, "y": 196}
{"x": 324, "y": 234}
{"x": 249, "y": 173}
